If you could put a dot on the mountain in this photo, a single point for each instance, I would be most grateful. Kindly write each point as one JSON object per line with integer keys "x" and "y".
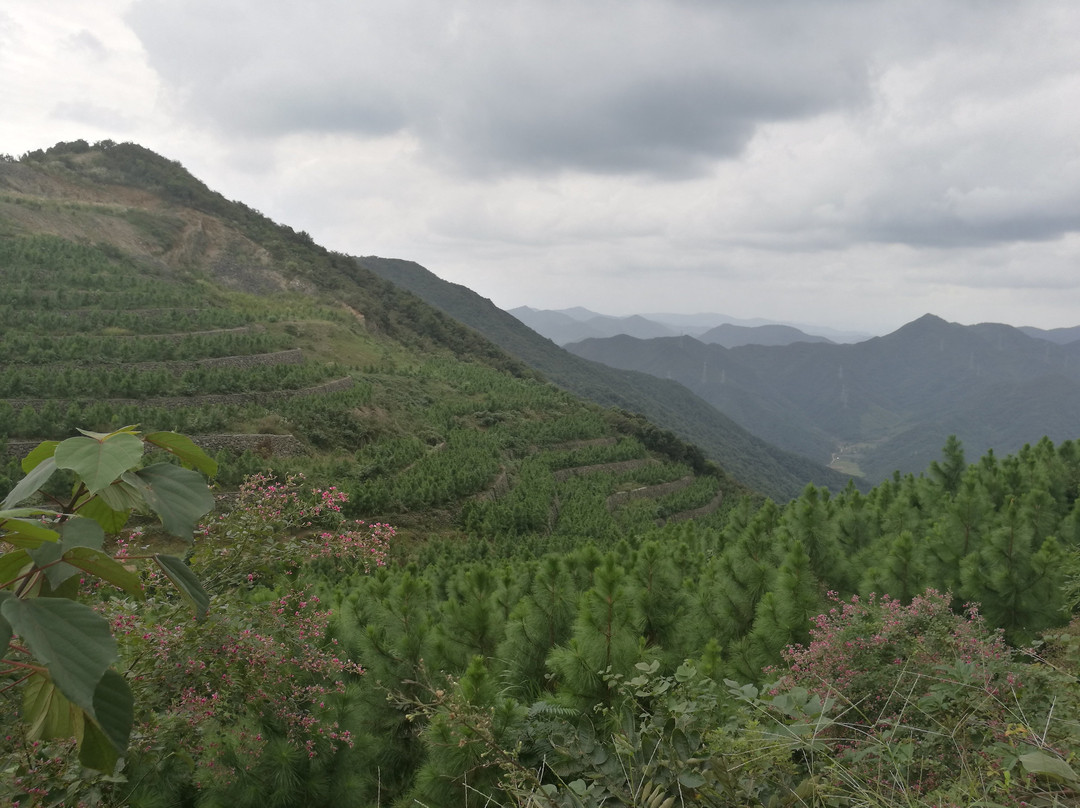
{"x": 731, "y": 336}
{"x": 1060, "y": 336}
{"x": 577, "y": 324}
{"x": 883, "y": 404}
{"x": 573, "y": 325}
{"x": 134, "y": 294}
{"x": 780, "y": 474}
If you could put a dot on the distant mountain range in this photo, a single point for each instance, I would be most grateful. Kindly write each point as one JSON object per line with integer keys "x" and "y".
{"x": 778, "y": 473}
{"x": 881, "y": 404}
{"x": 573, "y": 325}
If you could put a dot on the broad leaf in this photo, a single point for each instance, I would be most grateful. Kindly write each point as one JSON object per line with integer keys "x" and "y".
{"x": 43, "y": 450}
{"x": 96, "y": 751}
{"x": 114, "y": 709}
{"x": 99, "y": 462}
{"x": 5, "y": 627}
{"x": 123, "y": 496}
{"x": 69, "y": 638}
{"x": 185, "y": 581}
{"x": 184, "y": 447}
{"x": 1053, "y": 768}
{"x": 47, "y": 712}
{"x": 79, "y": 532}
{"x": 28, "y": 533}
{"x": 111, "y": 521}
{"x": 12, "y": 565}
{"x": 106, "y": 568}
{"x": 76, "y": 532}
{"x": 130, "y": 429}
{"x": 177, "y": 495}
{"x": 30, "y": 484}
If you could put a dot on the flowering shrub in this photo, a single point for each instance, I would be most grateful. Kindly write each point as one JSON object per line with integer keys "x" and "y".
{"x": 861, "y": 651}
{"x": 913, "y": 702}
{"x": 254, "y": 677}
{"x": 273, "y": 528}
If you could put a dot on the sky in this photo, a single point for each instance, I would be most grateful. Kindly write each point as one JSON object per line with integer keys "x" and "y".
{"x": 829, "y": 162}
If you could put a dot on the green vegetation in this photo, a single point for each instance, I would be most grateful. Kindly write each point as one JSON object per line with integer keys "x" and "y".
{"x": 541, "y": 626}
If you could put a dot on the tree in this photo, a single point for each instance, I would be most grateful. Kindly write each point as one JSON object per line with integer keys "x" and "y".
{"x": 950, "y": 471}
{"x": 606, "y": 637}
{"x": 58, "y": 648}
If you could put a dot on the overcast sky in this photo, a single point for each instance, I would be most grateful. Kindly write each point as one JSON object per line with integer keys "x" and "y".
{"x": 847, "y": 164}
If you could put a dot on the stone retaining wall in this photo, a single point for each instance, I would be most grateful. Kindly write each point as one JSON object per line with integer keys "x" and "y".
{"x": 614, "y": 468}
{"x": 649, "y": 491}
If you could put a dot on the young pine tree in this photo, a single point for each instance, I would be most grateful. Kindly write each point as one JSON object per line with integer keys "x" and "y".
{"x": 784, "y": 614}
{"x": 606, "y": 638}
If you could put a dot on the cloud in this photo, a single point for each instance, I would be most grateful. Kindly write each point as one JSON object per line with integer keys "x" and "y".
{"x": 653, "y": 87}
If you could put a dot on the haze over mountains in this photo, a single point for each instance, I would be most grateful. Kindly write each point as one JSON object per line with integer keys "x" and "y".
{"x": 885, "y": 403}
{"x": 575, "y": 324}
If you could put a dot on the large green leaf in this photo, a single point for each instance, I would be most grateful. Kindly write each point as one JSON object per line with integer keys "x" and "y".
{"x": 177, "y": 495}
{"x": 183, "y": 447}
{"x": 114, "y": 709}
{"x": 122, "y": 496}
{"x": 5, "y": 627}
{"x": 111, "y": 521}
{"x": 185, "y": 581}
{"x": 13, "y": 564}
{"x": 28, "y": 533}
{"x": 96, "y": 751}
{"x": 29, "y": 484}
{"x": 39, "y": 453}
{"x": 69, "y": 638}
{"x": 99, "y": 462}
{"x": 47, "y": 712}
{"x": 104, "y": 567}
{"x": 76, "y": 532}
{"x": 1051, "y": 767}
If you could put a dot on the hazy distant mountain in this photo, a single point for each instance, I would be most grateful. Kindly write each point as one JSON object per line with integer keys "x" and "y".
{"x": 778, "y": 473}
{"x": 564, "y": 326}
{"x": 574, "y": 325}
{"x": 731, "y": 336}
{"x": 886, "y": 403}
{"x": 1060, "y": 336}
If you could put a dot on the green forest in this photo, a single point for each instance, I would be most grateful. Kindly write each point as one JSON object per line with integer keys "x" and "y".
{"x": 467, "y": 586}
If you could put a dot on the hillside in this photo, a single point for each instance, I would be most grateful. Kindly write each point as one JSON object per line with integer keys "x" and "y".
{"x": 883, "y": 404}
{"x": 435, "y": 577}
{"x": 134, "y": 294}
{"x": 779, "y": 474}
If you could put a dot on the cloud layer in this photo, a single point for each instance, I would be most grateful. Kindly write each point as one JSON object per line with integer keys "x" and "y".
{"x": 820, "y": 160}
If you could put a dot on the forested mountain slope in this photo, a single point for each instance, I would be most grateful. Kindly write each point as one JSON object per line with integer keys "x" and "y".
{"x": 777, "y": 473}
{"x": 884, "y": 404}
{"x": 576, "y": 608}
{"x": 134, "y": 294}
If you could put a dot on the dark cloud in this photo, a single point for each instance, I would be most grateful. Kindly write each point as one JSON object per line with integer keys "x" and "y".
{"x": 650, "y": 87}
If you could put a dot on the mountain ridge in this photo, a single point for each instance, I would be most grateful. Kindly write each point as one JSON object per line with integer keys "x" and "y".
{"x": 928, "y": 376}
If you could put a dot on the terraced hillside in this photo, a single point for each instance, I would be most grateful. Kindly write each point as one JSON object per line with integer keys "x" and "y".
{"x": 135, "y": 295}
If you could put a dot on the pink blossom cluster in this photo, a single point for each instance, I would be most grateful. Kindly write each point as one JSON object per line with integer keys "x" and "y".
{"x": 271, "y": 661}
{"x": 359, "y": 544}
